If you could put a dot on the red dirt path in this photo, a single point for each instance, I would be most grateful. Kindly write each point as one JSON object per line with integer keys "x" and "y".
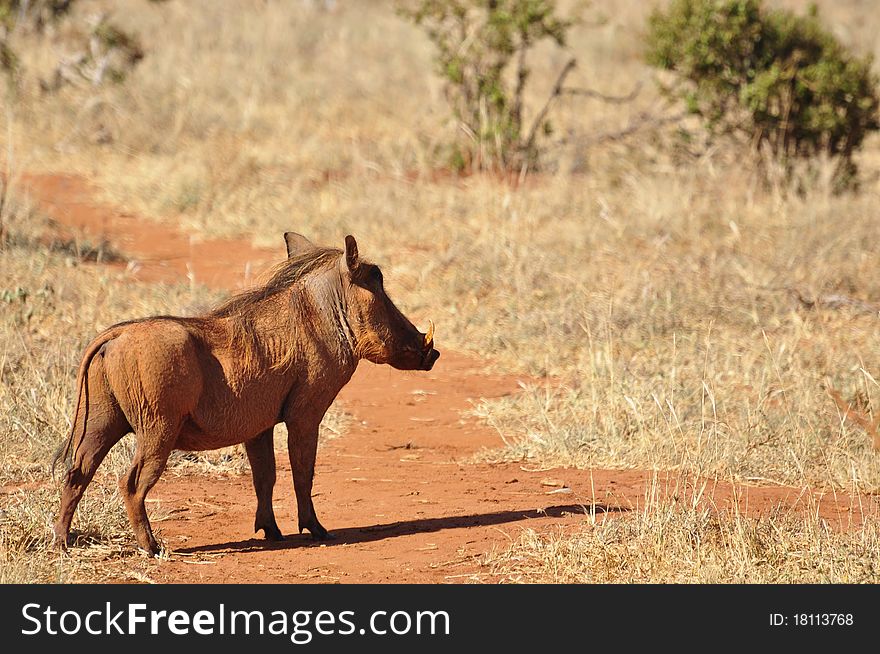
{"x": 396, "y": 489}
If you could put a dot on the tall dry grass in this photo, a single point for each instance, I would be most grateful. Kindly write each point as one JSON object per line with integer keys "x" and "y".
{"x": 677, "y": 538}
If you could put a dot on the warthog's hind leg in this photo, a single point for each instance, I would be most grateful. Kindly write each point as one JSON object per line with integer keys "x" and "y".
{"x": 148, "y": 465}
{"x": 105, "y": 429}
{"x": 261, "y": 455}
{"x": 302, "y": 445}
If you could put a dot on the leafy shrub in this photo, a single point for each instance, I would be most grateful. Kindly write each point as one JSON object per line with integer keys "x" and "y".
{"x": 36, "y": 13}
{"x": 28, "y": 14}
{"x": 781, "y": 79}
{"x": 102, "y": 51}
{"x": 107, "y": 53}
{"x": 482, "y": 48}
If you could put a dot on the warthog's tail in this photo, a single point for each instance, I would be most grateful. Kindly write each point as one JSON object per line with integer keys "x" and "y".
{"x": 67, "y": 450}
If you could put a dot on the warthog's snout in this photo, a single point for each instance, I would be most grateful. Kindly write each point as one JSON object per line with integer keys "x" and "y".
{"x": 431, "y": 356}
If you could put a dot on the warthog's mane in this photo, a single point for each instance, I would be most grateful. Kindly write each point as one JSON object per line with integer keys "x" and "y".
{"x": 284, "y": 275}
{"x": 243, "y": 309}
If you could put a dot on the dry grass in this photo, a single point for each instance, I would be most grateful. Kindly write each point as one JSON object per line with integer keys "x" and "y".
{"x": 101, "y": 533}
{"x": 678, "y": 538}
{"x": 664, "y": 286}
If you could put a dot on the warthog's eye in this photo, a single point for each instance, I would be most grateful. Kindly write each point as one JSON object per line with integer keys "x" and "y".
{"x": 369, "y": 276}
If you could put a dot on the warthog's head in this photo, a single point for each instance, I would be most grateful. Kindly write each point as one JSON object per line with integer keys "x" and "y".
{"x": 381, "y": 333}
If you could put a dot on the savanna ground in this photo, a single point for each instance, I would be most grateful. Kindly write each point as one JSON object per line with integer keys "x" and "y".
{"x": 666, "y": 308}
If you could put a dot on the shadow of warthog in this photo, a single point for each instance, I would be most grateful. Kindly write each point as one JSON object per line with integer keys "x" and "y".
{"x": 277, "y": 353}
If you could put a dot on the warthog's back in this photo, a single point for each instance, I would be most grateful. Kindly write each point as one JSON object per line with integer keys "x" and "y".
{"x": 191, "y": 371}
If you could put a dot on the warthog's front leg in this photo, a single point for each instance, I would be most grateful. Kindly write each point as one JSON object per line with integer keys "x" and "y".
{"x": 302, "y": 445}
{"x": 261, "y": 455}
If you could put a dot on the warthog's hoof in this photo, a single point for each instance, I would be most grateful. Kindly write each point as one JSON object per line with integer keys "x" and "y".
{"x": 151, "y": 549}
{"x": 60, "y": 542}
{"x": 326, "y": 535}
{"x": 318, "y": 532}
{"x": 271, "y": 533}
{"x": 269, "y": 527}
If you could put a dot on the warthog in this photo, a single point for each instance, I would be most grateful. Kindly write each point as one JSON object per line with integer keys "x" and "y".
{"x": 277, "y": 353}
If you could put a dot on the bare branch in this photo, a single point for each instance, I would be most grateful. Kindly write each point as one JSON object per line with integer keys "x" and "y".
{"x": 555, "y": 93}
{"x": 522, "y": 74}
{"x": 832, "y": 301}
{"x": 611, "y": 99}
{"x": 835, "y": 301}
{"x": 642, "y": 121}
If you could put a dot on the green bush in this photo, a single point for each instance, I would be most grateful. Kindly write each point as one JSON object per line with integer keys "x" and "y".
{"x": 97, "y": 50}
{"x": 481, "y": 52}
{"x": 782, "y": 79}
{"x": 36, "y": 13}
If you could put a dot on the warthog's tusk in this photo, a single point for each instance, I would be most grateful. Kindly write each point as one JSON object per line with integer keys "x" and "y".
{"x": 429, "y": 337}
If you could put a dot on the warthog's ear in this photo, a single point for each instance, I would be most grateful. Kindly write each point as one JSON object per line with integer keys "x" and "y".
{"x": 297, "y": 243}
{"x": 351, "y": 252}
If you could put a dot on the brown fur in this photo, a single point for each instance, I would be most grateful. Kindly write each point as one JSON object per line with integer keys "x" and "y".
{"x": 278, "y": 353}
